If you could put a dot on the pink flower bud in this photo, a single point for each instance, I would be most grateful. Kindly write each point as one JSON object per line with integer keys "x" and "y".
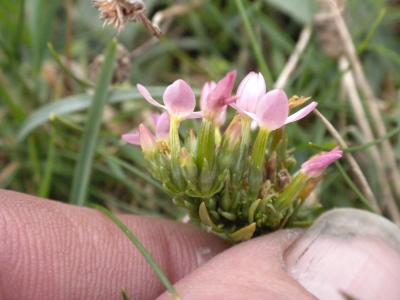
{"x": 214, "y": 98}
{"x": 316, "y": 165}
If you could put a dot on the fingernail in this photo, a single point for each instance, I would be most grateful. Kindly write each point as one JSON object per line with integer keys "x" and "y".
{"x": 348, "y": 254}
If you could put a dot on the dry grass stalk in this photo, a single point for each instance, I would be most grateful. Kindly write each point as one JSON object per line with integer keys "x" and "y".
{"x": 387, "y": 155}
{"x": 298, "y": 51}
{"x": 350, "y": 88}
{"x": 355, "y": 168}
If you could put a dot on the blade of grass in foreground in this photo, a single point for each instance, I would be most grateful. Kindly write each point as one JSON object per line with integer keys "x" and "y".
{"x": 84, "y": 164}
{"x": 139, "y": 246}
{"x": 351, "y": 184}
{"x": 256, "y": 46}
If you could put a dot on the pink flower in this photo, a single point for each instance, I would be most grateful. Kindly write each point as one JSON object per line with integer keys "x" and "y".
{"x": 162, "y": 125}
{"x": 179, "y": 100}
{"x": 250, "y": 89}
{"x": 215, "y": 96}
{"x": 143, "y": 137}
{"x": 273, "y": 110}
{"x": 317, "y": 164}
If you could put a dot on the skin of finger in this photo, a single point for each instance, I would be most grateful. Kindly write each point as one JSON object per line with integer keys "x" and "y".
{"x": 50, "y": 250}
{"x": 251, "y": 270}
{"x": 348, "y": 251}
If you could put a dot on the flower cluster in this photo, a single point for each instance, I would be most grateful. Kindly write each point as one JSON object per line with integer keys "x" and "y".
{"x": 236, "y": 182}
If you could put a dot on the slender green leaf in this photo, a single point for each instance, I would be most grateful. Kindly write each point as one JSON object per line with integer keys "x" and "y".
{"x": 300, "y": 10}
{"x": 76, "y": 103}
{"x": 45, "y": 184}
{"x": 84, "y": 164}
{"x": 351, "y": 184}
{"x": 139, "y": 246}
{"x": 84, "y": 83}
{"x": 254, "y": 43}
{"x": 43, "y": 14}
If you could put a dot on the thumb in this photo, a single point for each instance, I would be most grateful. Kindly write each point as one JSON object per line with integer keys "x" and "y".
{"x": 348, "y": 254}
{"x": 251, "y": 270}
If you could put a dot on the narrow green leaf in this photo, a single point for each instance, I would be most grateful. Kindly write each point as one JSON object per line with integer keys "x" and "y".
{"x": 300, "y": 10}
{"x": 143, "y": 251}
{"x": 76, "y": 103}
{"x": 43, "y": 14}
{"x": 84, "y": 164}
{"x": 254, "y": 43}
{"x": 45, "y": 184}
{"x": 351, "y": 184}
{"x": 84, "y": 83}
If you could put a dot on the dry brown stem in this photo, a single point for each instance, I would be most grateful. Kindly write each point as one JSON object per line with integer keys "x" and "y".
{"x": 291, "y": 64}
{"x": 387, "y": 154}
{"x": 354, "y": 167}
{"x": 350, "y": 88}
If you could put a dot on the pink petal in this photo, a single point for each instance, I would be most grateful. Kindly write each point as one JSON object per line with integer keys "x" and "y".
{"x": 272, "y": 110}
{"x": 179, "y": 99}
{"x": 146, "y": 94}
{"x": 162, "y": 127}
{"x": 131, "y": 138}
{"x": 249, "y": 91}
{"x": 222, "y": 91}
{"x": 195, "y": 115}
{"x": 317, "y": 164}
{"x": 301, "y": 113}
{"x": 205, "y": 91}
{"x": 240, "y": 110}
{"x": 155, "y": 117}
{"x": 221, "y": 116}
{"x": 147, "y": 139}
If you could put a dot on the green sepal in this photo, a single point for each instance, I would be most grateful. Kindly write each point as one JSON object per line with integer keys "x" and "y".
{"x": 244, "y": 234}
{"x": 205, "y": 217}
{"x": 253, "y": 209}
{"x": 207, "y": 177}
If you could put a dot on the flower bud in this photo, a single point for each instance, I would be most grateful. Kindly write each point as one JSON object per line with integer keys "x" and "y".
{"x": 316, "y": 165}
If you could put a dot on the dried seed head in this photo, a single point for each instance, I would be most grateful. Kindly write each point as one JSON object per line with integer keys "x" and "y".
{"x": 120, "y": 12}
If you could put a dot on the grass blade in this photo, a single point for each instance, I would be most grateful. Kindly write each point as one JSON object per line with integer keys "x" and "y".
{"x": 256, "y": 46}
{"x": 45, "y": 184}
{"x": 139, "y": 246}
{"x": 82, "y": 82}
{"x": 84, "y": 164}
{"x": 76, "y": 103}
{"x": 43, "y": 14}
{"x": 351, "y": 184}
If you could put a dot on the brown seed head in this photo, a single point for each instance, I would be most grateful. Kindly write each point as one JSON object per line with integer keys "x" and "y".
{"x": 120, "y": 12}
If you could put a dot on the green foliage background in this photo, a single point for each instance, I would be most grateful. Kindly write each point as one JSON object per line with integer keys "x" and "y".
{"x": 43, "y": 111}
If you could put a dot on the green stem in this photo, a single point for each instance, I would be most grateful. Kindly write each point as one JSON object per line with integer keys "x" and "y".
{"x": 258, "y": 154}
{"x": 244, "y": 146}
{"x": 175, "y": 145}
{"x": 256, "y": 46}
{"x": 174, "y": 140}
{"x": 206, "y": 143}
